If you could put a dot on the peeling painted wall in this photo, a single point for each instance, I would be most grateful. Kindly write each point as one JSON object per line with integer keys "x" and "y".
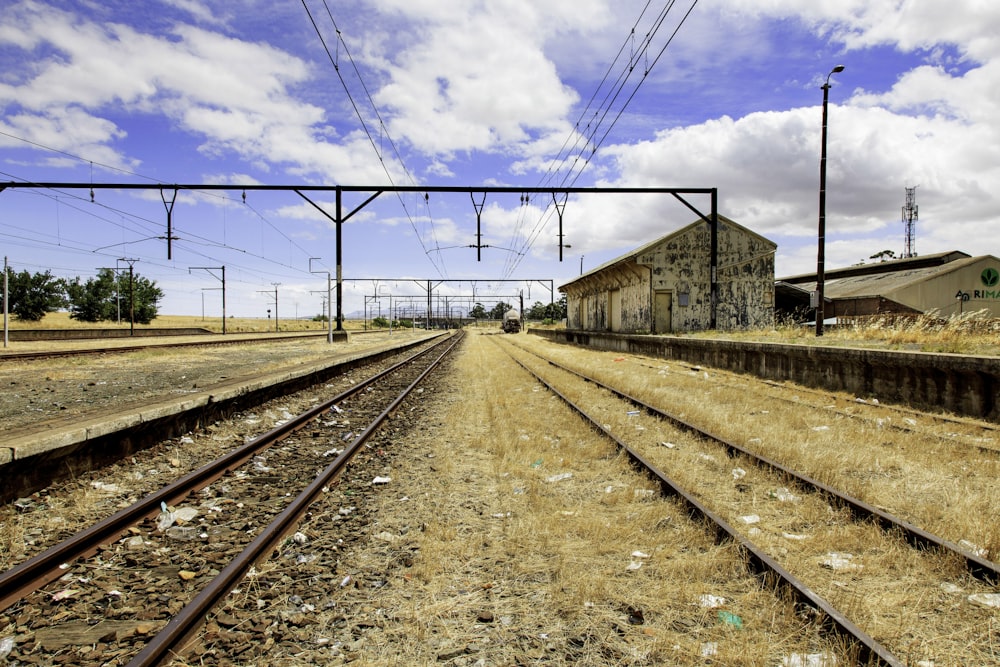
{"x": 590, "y": 307}
{"x": 680, "y": 265}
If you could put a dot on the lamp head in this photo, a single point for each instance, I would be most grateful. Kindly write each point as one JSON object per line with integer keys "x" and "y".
{"x": 838, "y": 68}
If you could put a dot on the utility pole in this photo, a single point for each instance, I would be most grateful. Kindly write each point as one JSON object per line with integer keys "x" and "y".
{"x": 131, "y": 293}
{"x": 209, "y": 269}
{"x": 821, "y": 234}
{"x": 118, "y": 292}
{"x": 268, "y": 292}
{"x": 6, "y": 298}
{"x": 329, "y": 319}
{"x": 276, "y": 329}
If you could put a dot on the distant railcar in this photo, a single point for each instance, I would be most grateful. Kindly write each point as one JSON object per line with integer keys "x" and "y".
{"x": 511, "y": 321}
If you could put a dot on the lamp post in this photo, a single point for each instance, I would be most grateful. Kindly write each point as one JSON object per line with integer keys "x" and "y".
{"x": 820, "y": 256}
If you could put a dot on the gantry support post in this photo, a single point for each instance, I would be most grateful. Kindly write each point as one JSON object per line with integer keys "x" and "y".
{"x": 339, "y": 224}
{"x": 169, "y": 205}
{"x": 479, "y": 213}
{"x": 560, "y": 207}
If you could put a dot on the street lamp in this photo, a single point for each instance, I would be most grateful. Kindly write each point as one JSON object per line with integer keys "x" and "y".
{"x": 820, "y": 256}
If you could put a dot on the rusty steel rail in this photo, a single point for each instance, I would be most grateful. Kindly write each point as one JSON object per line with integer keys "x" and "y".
{"x": 869, "y": 650}
{"x": 981, "y": 568}
{"x": 39, "y": 570}
{"x": 168, "y": 642}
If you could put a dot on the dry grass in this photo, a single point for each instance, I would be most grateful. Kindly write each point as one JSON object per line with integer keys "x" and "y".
{"x": 926, "y": 474}
{"x": 944, "y": 487}
{"x": 62, "y": 320}
{"x": 975, "y": 333}
{"x": 546, "y": 562}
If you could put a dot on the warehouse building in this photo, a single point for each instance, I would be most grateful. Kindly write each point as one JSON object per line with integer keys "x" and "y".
{"x": 665, "y": 286}
{"x": 947, "y": 284}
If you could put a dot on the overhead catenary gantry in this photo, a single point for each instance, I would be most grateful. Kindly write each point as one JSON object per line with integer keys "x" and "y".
{"x": 431, "y": 283}
{"x": 339, "y": 217}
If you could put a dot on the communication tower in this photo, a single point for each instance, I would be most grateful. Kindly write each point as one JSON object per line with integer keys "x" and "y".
{"x": 909, "y": 220}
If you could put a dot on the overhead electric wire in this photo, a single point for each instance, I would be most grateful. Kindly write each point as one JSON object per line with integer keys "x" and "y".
{"x": 570, "y": 182}
{"x": 395, "y": 149}
{"x": 575, "y": 135}
{"x": 136, "y": 224}
{"x": 77, "y": 157}
{"x": 147, "y": 226}
{"x": 549, "y": 173}
{"x": 608, "y": 102}
{"x": 570, "y": 178}
{"x": 364, "y": 125}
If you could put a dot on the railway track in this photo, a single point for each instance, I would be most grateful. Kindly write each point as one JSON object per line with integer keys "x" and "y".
{"x": 270, "y": 478}
{"x": 713, "y": 491}
{"x": 484, "y": 548}
{"x": 981, "y": 435}
{"x": 930, "y": 471}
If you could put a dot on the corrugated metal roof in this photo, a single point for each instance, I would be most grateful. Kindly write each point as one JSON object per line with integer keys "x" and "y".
{"x": 884, "y": 284}
{"x": 891, "y": 266}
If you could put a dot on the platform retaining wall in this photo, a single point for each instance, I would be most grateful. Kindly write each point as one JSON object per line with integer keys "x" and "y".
{"x": 86, "y": 333}
{"x": 35, "y": 460}
{"x": 960, "y": 384}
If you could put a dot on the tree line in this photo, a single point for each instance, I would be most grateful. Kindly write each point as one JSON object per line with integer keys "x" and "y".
{"x": 538, "y": 311}
{"x": 104, "y": 298}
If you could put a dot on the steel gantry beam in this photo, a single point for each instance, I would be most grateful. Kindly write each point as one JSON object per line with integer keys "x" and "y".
{"x": 339, "y": 217}
{"x": 434, "y": 282}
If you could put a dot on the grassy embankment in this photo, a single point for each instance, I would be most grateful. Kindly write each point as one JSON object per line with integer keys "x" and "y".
{"x": 972, "y": 333}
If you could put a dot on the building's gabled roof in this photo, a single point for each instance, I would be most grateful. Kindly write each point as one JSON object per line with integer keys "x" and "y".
{"x": 891, "y": 266}
{"x": 631, "y": 255}
{"x": 884, "y": 284}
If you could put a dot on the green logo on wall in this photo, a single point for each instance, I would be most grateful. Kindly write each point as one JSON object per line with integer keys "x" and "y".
{"x": 990, "y": 277}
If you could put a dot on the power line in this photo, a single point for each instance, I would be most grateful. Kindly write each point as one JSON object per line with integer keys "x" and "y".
{"x": 364, "y": 125}
{"x": 579, "y": 158}
{"x": 76, "y": 157}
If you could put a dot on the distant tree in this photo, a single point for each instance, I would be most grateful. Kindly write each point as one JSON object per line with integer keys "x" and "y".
{"x": 557, "y": 310}
{"x": 33, "y": 295}
{"x": 478, "y": 312}
{"x": 499, "y": 310}
{"x": 380, "y": 322}
{"x": 538, "y": 311}
{"x": 94, "y": 300}
{"x": 884, "y": 255}
{"x": 146, "y": 294}
{"x": 98, "y": 299}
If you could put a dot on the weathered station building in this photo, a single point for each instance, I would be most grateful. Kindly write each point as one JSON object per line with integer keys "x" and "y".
{"x": 665, "y": 286}
{"x": 947, "y": 283}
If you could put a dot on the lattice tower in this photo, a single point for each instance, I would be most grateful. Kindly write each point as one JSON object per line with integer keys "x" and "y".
{"x": 909, "y": 222}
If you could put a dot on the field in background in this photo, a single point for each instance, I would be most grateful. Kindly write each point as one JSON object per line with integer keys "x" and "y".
{"x": 213, "y": 324}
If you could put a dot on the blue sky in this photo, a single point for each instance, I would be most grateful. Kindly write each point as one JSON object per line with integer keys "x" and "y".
{"x": 447, "y": 93}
